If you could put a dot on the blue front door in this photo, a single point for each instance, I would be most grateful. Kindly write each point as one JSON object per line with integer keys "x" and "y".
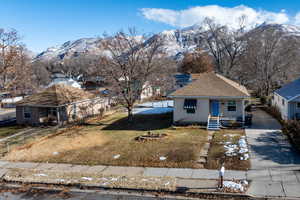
{"x": 214, "y": 108}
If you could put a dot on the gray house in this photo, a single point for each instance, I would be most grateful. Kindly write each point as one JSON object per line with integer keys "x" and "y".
{"x": 287, "y": 100}
{"x": 210, "y": 99}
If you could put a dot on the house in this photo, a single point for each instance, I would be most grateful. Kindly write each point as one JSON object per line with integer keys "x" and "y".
{"x": 59, "y": 78}
{"x": 211, "y": 99}
{"x": 57, "y": 104}
{"x": 287, "y": 100}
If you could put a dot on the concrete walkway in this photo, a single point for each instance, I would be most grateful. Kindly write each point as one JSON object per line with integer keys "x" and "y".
{"x": 275, "y": 164}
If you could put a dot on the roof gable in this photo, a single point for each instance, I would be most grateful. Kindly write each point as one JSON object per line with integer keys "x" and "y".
{"x": 211, "y": 84}
{"x": 290, "y": 90}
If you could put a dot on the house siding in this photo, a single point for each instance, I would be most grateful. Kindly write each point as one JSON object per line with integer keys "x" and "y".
{"x": 79, "y": 110}
{"x": 200, "y": 116}
{"x": 285, "y": 109}
{"x": 203, "y": 109}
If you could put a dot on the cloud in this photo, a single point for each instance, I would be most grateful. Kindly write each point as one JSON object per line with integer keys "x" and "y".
{"x": 222, "y": 15}
{"x": 297, "y": 19}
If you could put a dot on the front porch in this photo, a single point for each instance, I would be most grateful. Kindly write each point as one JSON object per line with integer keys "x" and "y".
{"x": 226, "y": 112}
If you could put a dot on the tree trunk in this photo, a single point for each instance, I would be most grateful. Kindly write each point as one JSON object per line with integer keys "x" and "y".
{"x": 130, "y": 114}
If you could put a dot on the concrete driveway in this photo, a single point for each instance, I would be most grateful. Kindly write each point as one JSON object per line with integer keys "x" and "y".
{"x": 275, "y": 164}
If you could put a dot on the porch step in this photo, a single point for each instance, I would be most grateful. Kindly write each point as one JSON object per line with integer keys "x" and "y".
{"x": 213, "y": 123}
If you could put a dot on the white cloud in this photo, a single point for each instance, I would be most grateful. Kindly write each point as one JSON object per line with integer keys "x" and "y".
{"x": 297, "y": 19}
{"x": 222, "y": 15}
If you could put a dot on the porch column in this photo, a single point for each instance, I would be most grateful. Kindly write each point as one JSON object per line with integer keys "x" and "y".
{"x": 57, "y": 115}
{"x": 243, "y": 111}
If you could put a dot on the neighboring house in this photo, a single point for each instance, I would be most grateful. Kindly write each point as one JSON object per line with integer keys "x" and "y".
{"x": 59, "y": 78}
{"x": 287, "y": 100}
{"x": 210, "y": 99}
{"x": 58, "y": 103}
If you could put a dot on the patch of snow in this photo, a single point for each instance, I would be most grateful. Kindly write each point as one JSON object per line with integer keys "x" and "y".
{"x": 40, "y": 175}
{"x": 117, "y": 156}
{"x": 167, "y": 183}
{"x": 60, "y": 180}
{"x": 162, "y": 158}
{"x": 151, "y": 111}
{"x": 11, "y": 100}
{"x": 234, "y": 186}
{"x": 113, "y": 179}
{"x": 55, "y": 153}
{"x": 87, "y": 178}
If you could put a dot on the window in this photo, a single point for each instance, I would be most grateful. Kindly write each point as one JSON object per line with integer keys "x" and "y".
{"x": 231, "y": 106}
{"x": 190, "y": 105}
{"x": 27, "y": 112}
{"x": 282, "y": 102}
{"x": 298, "y": 104}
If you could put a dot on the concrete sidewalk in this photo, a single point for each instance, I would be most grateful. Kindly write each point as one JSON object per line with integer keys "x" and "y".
{"x": 193, "y": 180}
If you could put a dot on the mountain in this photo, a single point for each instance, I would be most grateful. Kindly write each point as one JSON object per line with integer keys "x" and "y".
{"x": 178, "y": 42}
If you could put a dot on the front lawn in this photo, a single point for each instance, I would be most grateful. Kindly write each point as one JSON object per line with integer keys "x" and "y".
{"x": 111, "y": 141}
{"x": 9, "y": 130}
{"x": 228, "y": 147}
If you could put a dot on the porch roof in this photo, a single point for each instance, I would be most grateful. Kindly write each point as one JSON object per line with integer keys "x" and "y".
{"x": 212, "y": 85}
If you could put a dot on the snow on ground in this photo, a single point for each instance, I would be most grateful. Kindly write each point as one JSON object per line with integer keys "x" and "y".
{"x": 151, "y": 111}
{"x": 238, "y": 187}
{"x": 240, "y": 149}
{"x": 155, "y": 107}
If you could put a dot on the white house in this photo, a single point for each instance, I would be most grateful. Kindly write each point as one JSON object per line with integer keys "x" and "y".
{"x": 210, "y": 99}
{"x": 287, "y": 100}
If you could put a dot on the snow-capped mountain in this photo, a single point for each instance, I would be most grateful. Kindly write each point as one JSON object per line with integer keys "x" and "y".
{"x": 177, "y": 43}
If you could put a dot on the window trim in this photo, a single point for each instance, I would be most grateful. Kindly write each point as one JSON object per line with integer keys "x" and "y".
{"x": 235, "y": 106}
{"x": 298, "y": 104}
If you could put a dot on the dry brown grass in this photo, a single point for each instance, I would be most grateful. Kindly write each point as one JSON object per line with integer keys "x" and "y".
{"x": 98, "y": 142}
{"x": 216, "y": 154}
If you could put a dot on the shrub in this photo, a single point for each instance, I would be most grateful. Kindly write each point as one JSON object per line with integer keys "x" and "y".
{"x": 292, "y": 130}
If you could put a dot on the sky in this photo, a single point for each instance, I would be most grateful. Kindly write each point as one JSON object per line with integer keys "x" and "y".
{"x": 47, "y": 23}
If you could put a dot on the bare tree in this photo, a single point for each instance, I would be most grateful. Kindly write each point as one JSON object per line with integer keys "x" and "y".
{"x": 269, "y": 56}
{"x": 225, "y": 45}
{"x": 9, "y": 44}
{"x": 132, "y": 61}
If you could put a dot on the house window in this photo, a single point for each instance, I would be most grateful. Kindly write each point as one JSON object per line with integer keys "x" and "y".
{"x": 53, "y": 112}
{"x": 231, "y": 106}
{"x": 283, "y": 102}
{"x": 298, "y": 104}
{"x": 190, "y": 105}
{"x": 27, "y": 112}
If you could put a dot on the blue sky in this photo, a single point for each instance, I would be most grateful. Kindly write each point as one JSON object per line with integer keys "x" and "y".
{"x": 46, "y": 23}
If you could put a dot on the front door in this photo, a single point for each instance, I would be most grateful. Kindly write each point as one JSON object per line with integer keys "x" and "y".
{"x": 214, "y": 108}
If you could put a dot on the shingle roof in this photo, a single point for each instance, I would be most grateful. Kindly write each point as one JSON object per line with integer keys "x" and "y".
{"x": 56, "y": 95}
{"x": 290, "y": 90}
{"x": 212, "y": 85}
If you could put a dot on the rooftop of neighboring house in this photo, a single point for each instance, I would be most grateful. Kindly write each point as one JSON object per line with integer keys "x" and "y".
{"x": 56, "y": 95}
{"x": 290, "y": 91}
{"x": 211, "y": 84}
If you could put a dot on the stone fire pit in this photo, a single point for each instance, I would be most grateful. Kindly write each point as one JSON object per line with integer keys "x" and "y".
{"x": 150, "y": 137}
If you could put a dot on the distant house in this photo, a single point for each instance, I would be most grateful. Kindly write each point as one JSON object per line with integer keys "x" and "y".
{"x": 209, "y": 99}
{"x": 287, "y": 100}
{"x": 58, "y": 103}
{"x": 59, "y": 78}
